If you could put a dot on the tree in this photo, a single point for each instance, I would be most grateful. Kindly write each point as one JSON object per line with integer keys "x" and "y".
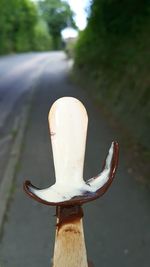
{"x": 25, "y": 19}
{"x": 42, "y": 39}
{"x": 22, "y": 28}
{"x": 58, "y": 15}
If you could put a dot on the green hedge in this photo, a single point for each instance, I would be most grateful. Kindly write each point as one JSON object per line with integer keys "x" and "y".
{"x": 113, "y": 51}
{"x": 21, "y": 28}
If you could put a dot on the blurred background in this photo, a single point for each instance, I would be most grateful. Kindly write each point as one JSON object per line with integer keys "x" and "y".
{"x": 98, "y": 52}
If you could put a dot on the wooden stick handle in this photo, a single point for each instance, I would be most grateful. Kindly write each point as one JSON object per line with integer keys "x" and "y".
{"x": 69, "y": 250}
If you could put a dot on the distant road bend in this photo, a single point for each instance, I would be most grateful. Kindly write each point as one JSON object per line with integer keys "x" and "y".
{"x": 18, "y": 73}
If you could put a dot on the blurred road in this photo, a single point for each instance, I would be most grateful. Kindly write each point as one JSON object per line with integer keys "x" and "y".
{"x": 18, "y": 76}
{"x": 117, "y": 226}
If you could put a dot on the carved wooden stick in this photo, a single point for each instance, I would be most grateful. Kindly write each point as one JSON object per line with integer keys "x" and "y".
{"x": 69, "y": 247}
{"x": 68, "y": 127}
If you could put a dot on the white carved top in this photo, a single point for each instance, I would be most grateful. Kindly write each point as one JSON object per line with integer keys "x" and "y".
{"x": 68, "y": 122}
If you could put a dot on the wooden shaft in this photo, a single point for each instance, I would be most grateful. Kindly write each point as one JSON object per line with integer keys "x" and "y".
{"x": 69, "y": 249}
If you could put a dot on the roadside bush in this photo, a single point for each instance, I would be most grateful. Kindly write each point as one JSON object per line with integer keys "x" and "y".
{"x": 113, "y": 54}
{"x": 42, "y": 38}
{"x": 21, "y": 28}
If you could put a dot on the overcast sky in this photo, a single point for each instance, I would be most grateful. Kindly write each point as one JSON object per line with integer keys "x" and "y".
{"x": 79, "y": 6}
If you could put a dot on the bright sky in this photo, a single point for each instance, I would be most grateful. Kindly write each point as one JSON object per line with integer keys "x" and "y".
{"x": 79, "y": 6}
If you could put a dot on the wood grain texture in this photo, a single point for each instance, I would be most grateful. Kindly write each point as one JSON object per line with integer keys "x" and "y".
{"x": 70, "y": 250}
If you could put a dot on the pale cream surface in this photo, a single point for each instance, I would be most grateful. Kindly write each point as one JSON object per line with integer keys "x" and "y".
{"x": 66, "y": 190}
{"x": 68, "y": 122}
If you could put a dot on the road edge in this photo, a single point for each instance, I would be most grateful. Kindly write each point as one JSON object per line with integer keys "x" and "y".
{"x": 10, "y": 170}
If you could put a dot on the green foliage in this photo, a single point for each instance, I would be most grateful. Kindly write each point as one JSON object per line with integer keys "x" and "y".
{"x": 28, "y": 26}
{"x": 20, "y": 28}
{"x": 111, "y": 24}
{"x": 113, "y": 54}
{"x": 58, "y": 15}
{"x": 42, "y": 40}
{"x": 24, "y": 23}
{"x": 118, "y": 17}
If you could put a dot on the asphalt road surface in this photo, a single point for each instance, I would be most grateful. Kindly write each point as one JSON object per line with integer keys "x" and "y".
{"x": 18, "y": 75}
{"x": 117, "y": 226}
